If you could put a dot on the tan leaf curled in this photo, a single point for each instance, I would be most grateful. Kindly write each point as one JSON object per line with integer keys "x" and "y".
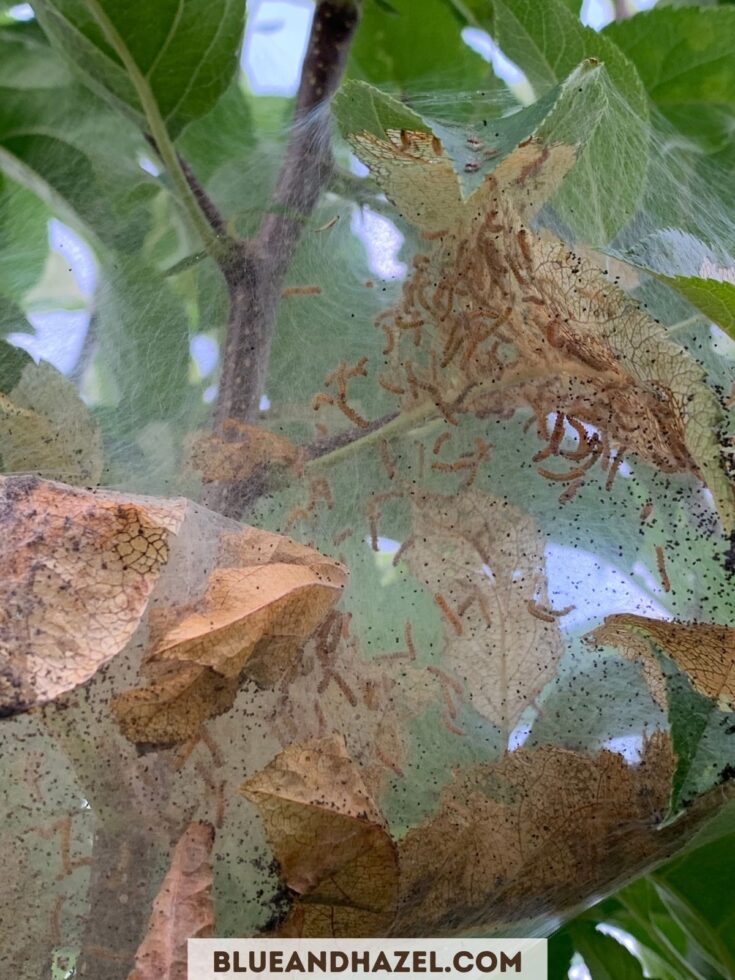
{"x": 330, "y": 841}
{"x": 182, "y": 910}
{"x": 634, "y": 647}
{"x": 78, "y": 569}
{"x": 255, "y": 607}
{"x": 483, "y": 561}
{"x": 704, "y": 651}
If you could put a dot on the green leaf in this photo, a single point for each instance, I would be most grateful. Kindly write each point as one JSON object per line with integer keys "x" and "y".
{"x": 606, "y": 958}
{"x": 548, "y": 42}
{"x": 12, "y": 318}
{"x": 62, "y": 143}
{"x": 694, "y": 925}
{"x": 690, "y": 715}
{"x": 181, "y": 54}
{"x": 560, "y": 953}
{"x": 45, "y": 427}
{"x": 359, "y": 107}
{"x": 223, "y": 135}
{"x": 413, "y": 46}
{"x": 143, "y": 336}
{"x": 686, "y": 60}
{"x": 12, "y": 362}
{"x": 700, "y": 881}
{"x": 23, "y": 239}
{"x": 714, "y": 298}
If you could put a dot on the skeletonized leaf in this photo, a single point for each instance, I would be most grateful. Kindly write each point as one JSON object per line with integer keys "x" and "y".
{"x": 634, "y": 646}
{"x": 174, "y": 707}
{"x": 483, "y": 560}
{"x": 78, "y": 568}
{"x": 330, "y": 840}
{"x": 183, "y": 908}
{"x": 496, "y": 315}
{"x": 46, "y": 429}
{"x": 538, "y": 831}
{"x": 704, "y": 651}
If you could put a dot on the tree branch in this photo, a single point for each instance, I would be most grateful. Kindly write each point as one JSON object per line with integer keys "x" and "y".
{"x": 255, "y": 270}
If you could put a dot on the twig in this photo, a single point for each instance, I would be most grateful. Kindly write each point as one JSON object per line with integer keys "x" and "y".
{"x": 255, "y": 270}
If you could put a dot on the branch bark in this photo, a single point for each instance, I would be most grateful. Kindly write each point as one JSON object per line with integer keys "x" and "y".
{"x": 255, "y": 270}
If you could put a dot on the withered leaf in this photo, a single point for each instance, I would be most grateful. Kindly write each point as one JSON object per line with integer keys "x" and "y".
{"x": 329, "y": 839}
{"x": 539, "y": 831}
{"x": 634, "y": 646}
{"x": 78, "y": 569}
{"x": 262, "y": 604}
{"x": 483, "y": 561}
{"x": 183, "y": 908}
{"x": 704, "y": 651}
{"x": 174, "y": 707}
{"x": 238, "y": 452}
{"x": 496, "y": 316}
{"x": 47, "y": 430}
{"x": 245, "y": 606}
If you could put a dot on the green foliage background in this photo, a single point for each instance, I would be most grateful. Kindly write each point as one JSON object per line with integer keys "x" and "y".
{"x": 76, "y": 103}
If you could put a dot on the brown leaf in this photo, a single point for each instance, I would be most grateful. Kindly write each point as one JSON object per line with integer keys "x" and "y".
{"x": 330, "y": 840}
{"x": 174, "y": 708}
{"x": 539, "y": 831}
{"x": 261, "y": 606}
{"x": 183, "y": 908}
{"x": 483, "y": 561}
{"x": 704, "y": 651}
{"x": 238, "y": 452}
{"x": 78, "y": 569}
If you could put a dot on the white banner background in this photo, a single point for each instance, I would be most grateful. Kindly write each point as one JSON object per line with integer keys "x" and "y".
{"x": 497, "y": 957}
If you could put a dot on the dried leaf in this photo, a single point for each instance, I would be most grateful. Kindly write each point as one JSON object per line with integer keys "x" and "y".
{"x": 704, "y": 651}
{"x": 174, "y": 708}
{"x": 238, "y": 452}
{"x": 483, "y": 561}
{"x": 330, "y": 840}
{"x": 636, "y": 648}
{"x": 78, "y": 569}
{"x": 541, "y": 830}
{"x": 183, "y": 908}
{"x": 256, "y": 607}
{"x": 46, "y": 429}
{"x": 246, "y": 606}
{"x": 416, "y": 176}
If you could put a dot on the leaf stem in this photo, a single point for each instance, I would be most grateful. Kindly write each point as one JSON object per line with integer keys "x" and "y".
{"x": 158, "y": 129}
{"x": 398, "y": 424}
{"x": 404, "y": 422}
